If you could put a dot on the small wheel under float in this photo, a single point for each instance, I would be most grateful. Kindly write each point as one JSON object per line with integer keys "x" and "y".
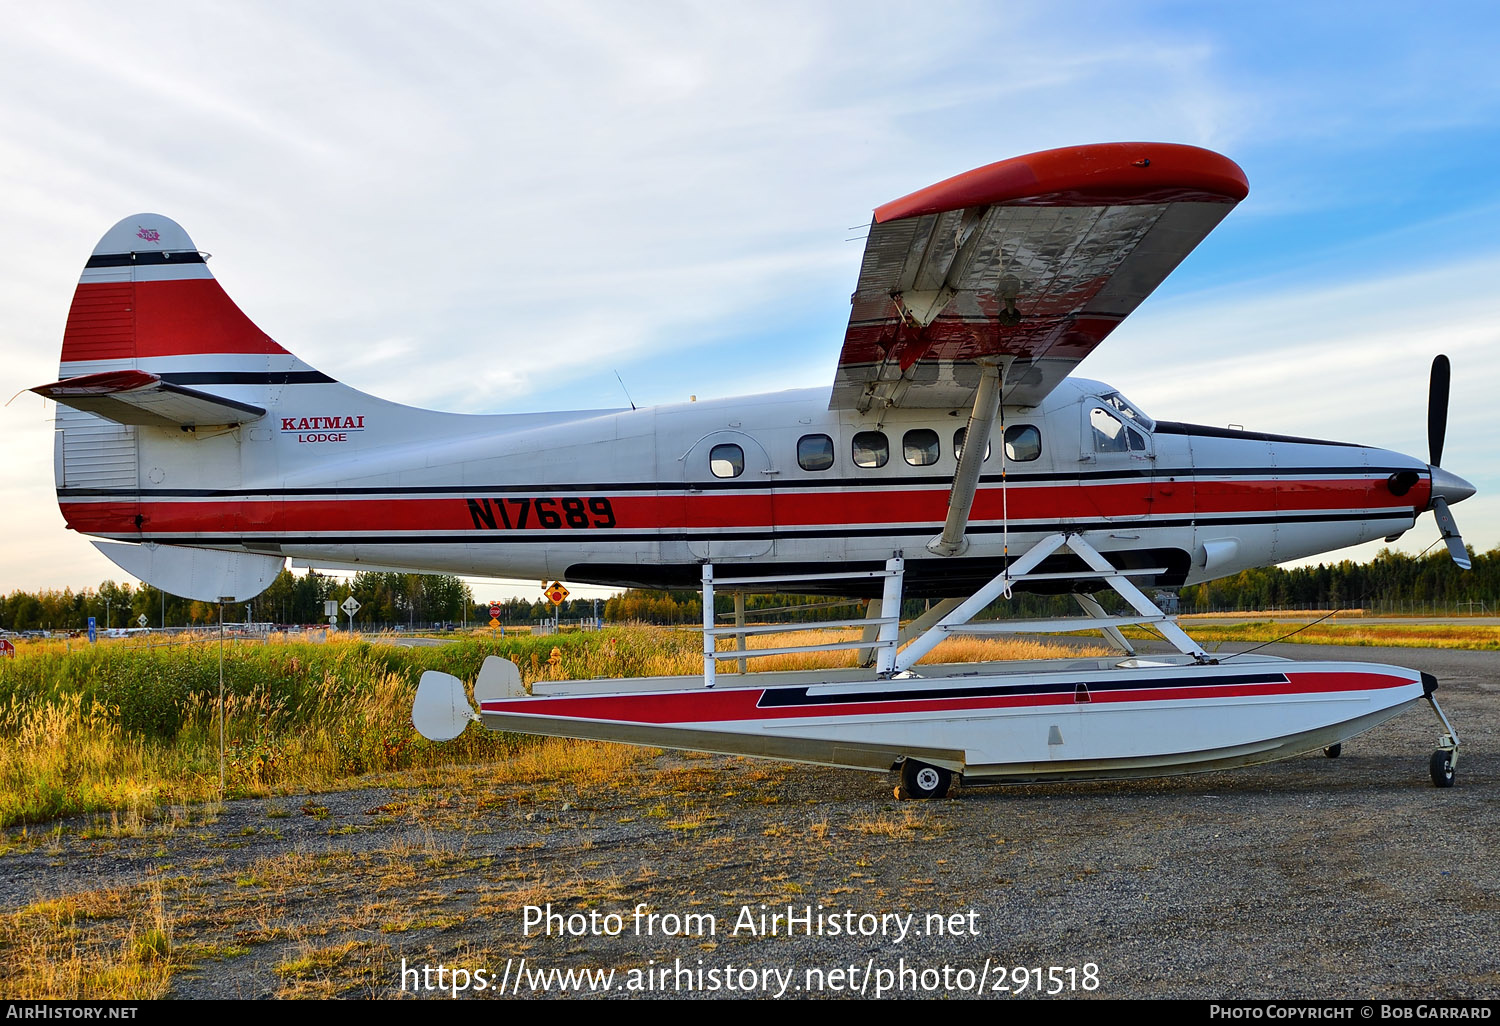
{"x": 1441, "y": 767}
{"x": 1334, "y": 751}
{"x": 919, "y": 780}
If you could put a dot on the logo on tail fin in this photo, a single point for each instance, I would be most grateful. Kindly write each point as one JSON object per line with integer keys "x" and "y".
{"x": 149, "y": 234}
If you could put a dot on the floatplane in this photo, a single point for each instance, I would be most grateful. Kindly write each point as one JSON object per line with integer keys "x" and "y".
{"x": 955, "y": 458}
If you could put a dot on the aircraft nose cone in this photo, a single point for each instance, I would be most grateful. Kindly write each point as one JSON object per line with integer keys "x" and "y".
{"x": 1449, "y": 486}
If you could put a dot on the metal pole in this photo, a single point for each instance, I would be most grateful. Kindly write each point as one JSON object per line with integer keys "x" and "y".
{"x": 739, "y": 621}
{"x": 221, "y": 697}
{"x": 890, "y": 606}
{"x": 708, "y": 625}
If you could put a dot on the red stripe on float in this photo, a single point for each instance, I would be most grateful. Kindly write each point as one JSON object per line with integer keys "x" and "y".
{"x": 741, "y": 704}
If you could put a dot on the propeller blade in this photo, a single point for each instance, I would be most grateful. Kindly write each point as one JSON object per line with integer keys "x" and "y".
{"x": 1449, "y": 527}
{"x": 1437, "y": 409}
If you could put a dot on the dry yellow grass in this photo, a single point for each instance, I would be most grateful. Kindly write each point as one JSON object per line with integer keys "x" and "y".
{"x": 900, "y": 825}
{"x": 952, "y": 650}
{"x": 56, "y": 952}
{"x": 1254, "y": 614}
{"x": 1395, "y": 635}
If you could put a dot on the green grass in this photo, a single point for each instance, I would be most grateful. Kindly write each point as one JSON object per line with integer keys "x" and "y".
{"x": 130, "y": 729}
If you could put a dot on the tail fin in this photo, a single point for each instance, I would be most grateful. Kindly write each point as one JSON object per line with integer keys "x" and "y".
{"x": 146, "y": 292}
{"x": 183, "y": 426}
{"x": 159, "y": 366}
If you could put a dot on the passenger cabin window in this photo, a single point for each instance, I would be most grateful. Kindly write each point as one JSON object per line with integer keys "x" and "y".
{"x": 920, "y": 447}
{"x": 1023, "y": 443}
{"x": 1110, "y": 435}
{"x": 958, "y": 444}
{"x": 870, "y": 449}
{"x": 726, "y": 461}
{"x": 815, "y": 452}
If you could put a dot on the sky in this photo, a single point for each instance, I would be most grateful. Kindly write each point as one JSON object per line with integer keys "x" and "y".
{"x": 495, "y": 207}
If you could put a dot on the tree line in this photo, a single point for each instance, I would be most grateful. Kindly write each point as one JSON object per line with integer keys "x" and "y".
{"x": 1392, "y": 582}
{"x": 385, "y": 599}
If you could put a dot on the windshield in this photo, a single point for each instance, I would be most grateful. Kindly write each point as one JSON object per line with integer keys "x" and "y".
{"x": 1126, "y": 408}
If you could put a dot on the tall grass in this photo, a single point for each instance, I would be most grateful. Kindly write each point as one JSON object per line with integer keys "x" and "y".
{"x": 127, "y": 727}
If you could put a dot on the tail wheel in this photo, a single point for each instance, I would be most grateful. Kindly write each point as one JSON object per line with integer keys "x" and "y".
{"x": 1334, "y": 751}
{"x": 919, "y": 780}
{"x": 1441, "y": 767}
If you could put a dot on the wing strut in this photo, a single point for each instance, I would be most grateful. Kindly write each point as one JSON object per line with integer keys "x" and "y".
{"x": 966, "y": 480}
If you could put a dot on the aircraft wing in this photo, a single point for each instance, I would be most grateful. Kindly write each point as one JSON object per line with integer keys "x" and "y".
{"x": 1028, "y": 263}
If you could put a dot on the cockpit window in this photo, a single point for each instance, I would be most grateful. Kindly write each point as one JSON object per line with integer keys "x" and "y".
{"x": 1112, "y": 435}
{"x": 726, "y": 461}
{"x": 1117, "y": 402}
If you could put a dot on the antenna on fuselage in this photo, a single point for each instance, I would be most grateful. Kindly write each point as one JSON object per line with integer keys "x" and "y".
{"x": 625, "y": 390}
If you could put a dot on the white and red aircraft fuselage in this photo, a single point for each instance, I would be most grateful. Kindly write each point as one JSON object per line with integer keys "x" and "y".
{"x": 184, "y": 427}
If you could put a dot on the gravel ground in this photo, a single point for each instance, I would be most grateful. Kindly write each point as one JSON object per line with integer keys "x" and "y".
{"x": 1314, "y": 878}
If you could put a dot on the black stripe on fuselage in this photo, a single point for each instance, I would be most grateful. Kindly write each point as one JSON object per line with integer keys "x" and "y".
{"x": 309, "y": 377}
{"x": 1172, "y": 427}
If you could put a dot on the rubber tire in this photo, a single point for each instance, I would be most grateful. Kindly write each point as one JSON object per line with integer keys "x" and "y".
{"x": 1441, "y": 767}
{"x": 919, "y": 780}
{"x": 1334, "y": 751}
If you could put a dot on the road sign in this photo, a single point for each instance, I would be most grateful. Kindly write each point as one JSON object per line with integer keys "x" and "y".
{"x": 494, "y": 611}
{"x": 556, "y": 592}
{"x": 93, "y": 630}
{"x": 494, "y": 621}
{"x": 330, "y": 607}
{"x": 334, "y": 619}
{"x": 351, "y": 605}
{"x": 141, "y": 619}
{"x": 6, "y": 648}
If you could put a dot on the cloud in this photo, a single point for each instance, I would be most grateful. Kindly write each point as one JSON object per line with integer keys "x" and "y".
{"x": 487, "y": 206}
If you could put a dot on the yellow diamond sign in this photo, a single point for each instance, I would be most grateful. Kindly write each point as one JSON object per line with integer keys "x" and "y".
{"x": 556, "y": 592}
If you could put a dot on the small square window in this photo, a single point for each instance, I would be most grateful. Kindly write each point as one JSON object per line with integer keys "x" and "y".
{"x": 1023, "y": 443}
{"x": 815, "y": 452}
{"x": 870, "y": 449}
{"x": 958, "y": 444}
{"x": 726, "y": 461}
{"x": 920, "y": 447}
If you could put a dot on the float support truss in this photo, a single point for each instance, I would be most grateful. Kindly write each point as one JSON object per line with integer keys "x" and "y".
{"x": 951, "y": 616}
{"x": 1023, "y": 569}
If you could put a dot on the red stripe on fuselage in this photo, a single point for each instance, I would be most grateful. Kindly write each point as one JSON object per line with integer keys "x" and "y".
{"x": 697, "y": 511}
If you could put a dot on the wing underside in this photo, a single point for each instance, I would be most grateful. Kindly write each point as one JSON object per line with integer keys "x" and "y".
{"x": 1027, "y": 264}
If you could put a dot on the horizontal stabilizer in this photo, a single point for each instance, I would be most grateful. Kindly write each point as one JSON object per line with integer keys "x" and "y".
{"x": 143, "y": 399}
{"x": 203, "y": 575}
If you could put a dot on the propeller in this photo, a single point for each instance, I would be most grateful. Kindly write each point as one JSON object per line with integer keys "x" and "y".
{"x": 1437, "y": 408}
{"x": 1445, "y": 486}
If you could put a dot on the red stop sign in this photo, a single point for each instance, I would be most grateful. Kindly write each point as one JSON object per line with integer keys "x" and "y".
{"x": 494, "y": 612}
